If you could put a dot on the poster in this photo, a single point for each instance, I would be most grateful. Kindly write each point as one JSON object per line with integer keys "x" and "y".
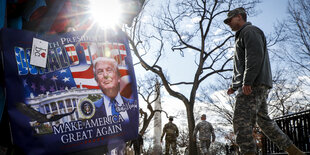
{"x": 85, "y": 98}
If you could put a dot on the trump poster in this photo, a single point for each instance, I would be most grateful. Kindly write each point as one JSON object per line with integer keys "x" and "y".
{"x": 83, "y": 98}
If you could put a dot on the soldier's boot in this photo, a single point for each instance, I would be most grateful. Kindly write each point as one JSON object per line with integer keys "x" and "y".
{"x": 293, "y": 150}
{"x": 250, "y": 153}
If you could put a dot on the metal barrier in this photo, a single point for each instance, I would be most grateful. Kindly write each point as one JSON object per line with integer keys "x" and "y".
{"x": 297, "y": 127}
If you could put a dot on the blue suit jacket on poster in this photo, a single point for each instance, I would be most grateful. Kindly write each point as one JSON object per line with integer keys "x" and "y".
{"x": 129, "y": 129}
{"x": 101, "y": 111}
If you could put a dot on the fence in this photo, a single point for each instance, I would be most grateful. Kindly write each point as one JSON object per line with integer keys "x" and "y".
{"x": 297, "y": 127}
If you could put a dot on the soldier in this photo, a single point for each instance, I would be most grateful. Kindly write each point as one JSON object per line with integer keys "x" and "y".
{"x": 172, "y": 132}
{"x": 251, "y": 80}
{"x": 205, "y": 132}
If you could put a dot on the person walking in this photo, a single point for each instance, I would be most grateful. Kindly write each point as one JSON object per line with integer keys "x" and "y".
{"x": 251, "y": 80}
{"x": 137, "y": 144}
{"x": 206, "y": 131}
{"x": 172, "y": 132}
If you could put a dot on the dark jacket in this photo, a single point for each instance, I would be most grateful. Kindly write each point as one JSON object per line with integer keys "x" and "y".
{"x": 251, "y": 60}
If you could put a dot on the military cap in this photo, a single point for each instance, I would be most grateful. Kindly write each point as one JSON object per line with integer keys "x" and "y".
{"x": 234, "y": 13}
{"x": 171, "y": 118}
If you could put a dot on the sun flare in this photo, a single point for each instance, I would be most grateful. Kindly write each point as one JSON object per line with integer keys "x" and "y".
{"x": 106, "y": 12}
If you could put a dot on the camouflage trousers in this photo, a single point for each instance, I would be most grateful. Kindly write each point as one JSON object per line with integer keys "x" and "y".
{"x": 251, "y": 109}
{"x": 205, "y": 145}
{"x": 173, "y": 145}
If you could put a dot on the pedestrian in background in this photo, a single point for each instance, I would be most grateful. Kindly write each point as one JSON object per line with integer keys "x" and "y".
{"x": 206, "y": 132}
{"x": 137, "y": 144}
{"x": 171, "y": 131}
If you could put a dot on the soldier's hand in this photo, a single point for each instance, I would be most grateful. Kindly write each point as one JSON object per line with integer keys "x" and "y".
{"x": 246, "y": 89}
{"x": 230, "y": 91}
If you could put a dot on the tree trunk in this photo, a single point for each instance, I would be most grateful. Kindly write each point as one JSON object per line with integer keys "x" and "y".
{"x": 191, "y": 125}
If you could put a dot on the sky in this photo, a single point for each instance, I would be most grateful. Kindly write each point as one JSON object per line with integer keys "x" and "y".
{"x": 270, "y": 11}
{"x": 265, "y": 20}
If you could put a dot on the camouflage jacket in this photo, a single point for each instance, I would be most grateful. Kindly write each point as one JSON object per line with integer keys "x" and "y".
{"x": 205, "y": 130}
{"x": 171, "y": 131}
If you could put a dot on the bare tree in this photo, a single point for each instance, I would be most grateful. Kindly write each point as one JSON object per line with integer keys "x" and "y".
{"x": 295, "y": 49}
{"x": 182, "y": 141}
{"x": 287, "y": 95}
{"x": 148, "y": 89}
{"x": 297, "y": 28}
{"x": 203, "y": 45}
{"x": 219, "y": 102}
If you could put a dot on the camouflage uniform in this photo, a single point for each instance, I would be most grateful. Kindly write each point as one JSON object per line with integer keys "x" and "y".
{"x": 172, "y": 132}
{"x": 252, "y": 68}
{"x": 250, "y": 109}
{"x": 252, "y": 72}
{"x": 205, "y": 132}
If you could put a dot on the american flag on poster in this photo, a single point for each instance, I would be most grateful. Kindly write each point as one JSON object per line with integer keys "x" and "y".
{"x": 83, "y": 73}
{"x": 49, "y": 82}
{"x": 84, "y": 76}
{"x": 71, "y": 51}
{"x": 39, "y": 81}
{"x": 88, "y": 53}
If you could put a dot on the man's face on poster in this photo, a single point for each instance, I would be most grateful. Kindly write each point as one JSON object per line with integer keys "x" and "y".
{"x": 107, "y": 78}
